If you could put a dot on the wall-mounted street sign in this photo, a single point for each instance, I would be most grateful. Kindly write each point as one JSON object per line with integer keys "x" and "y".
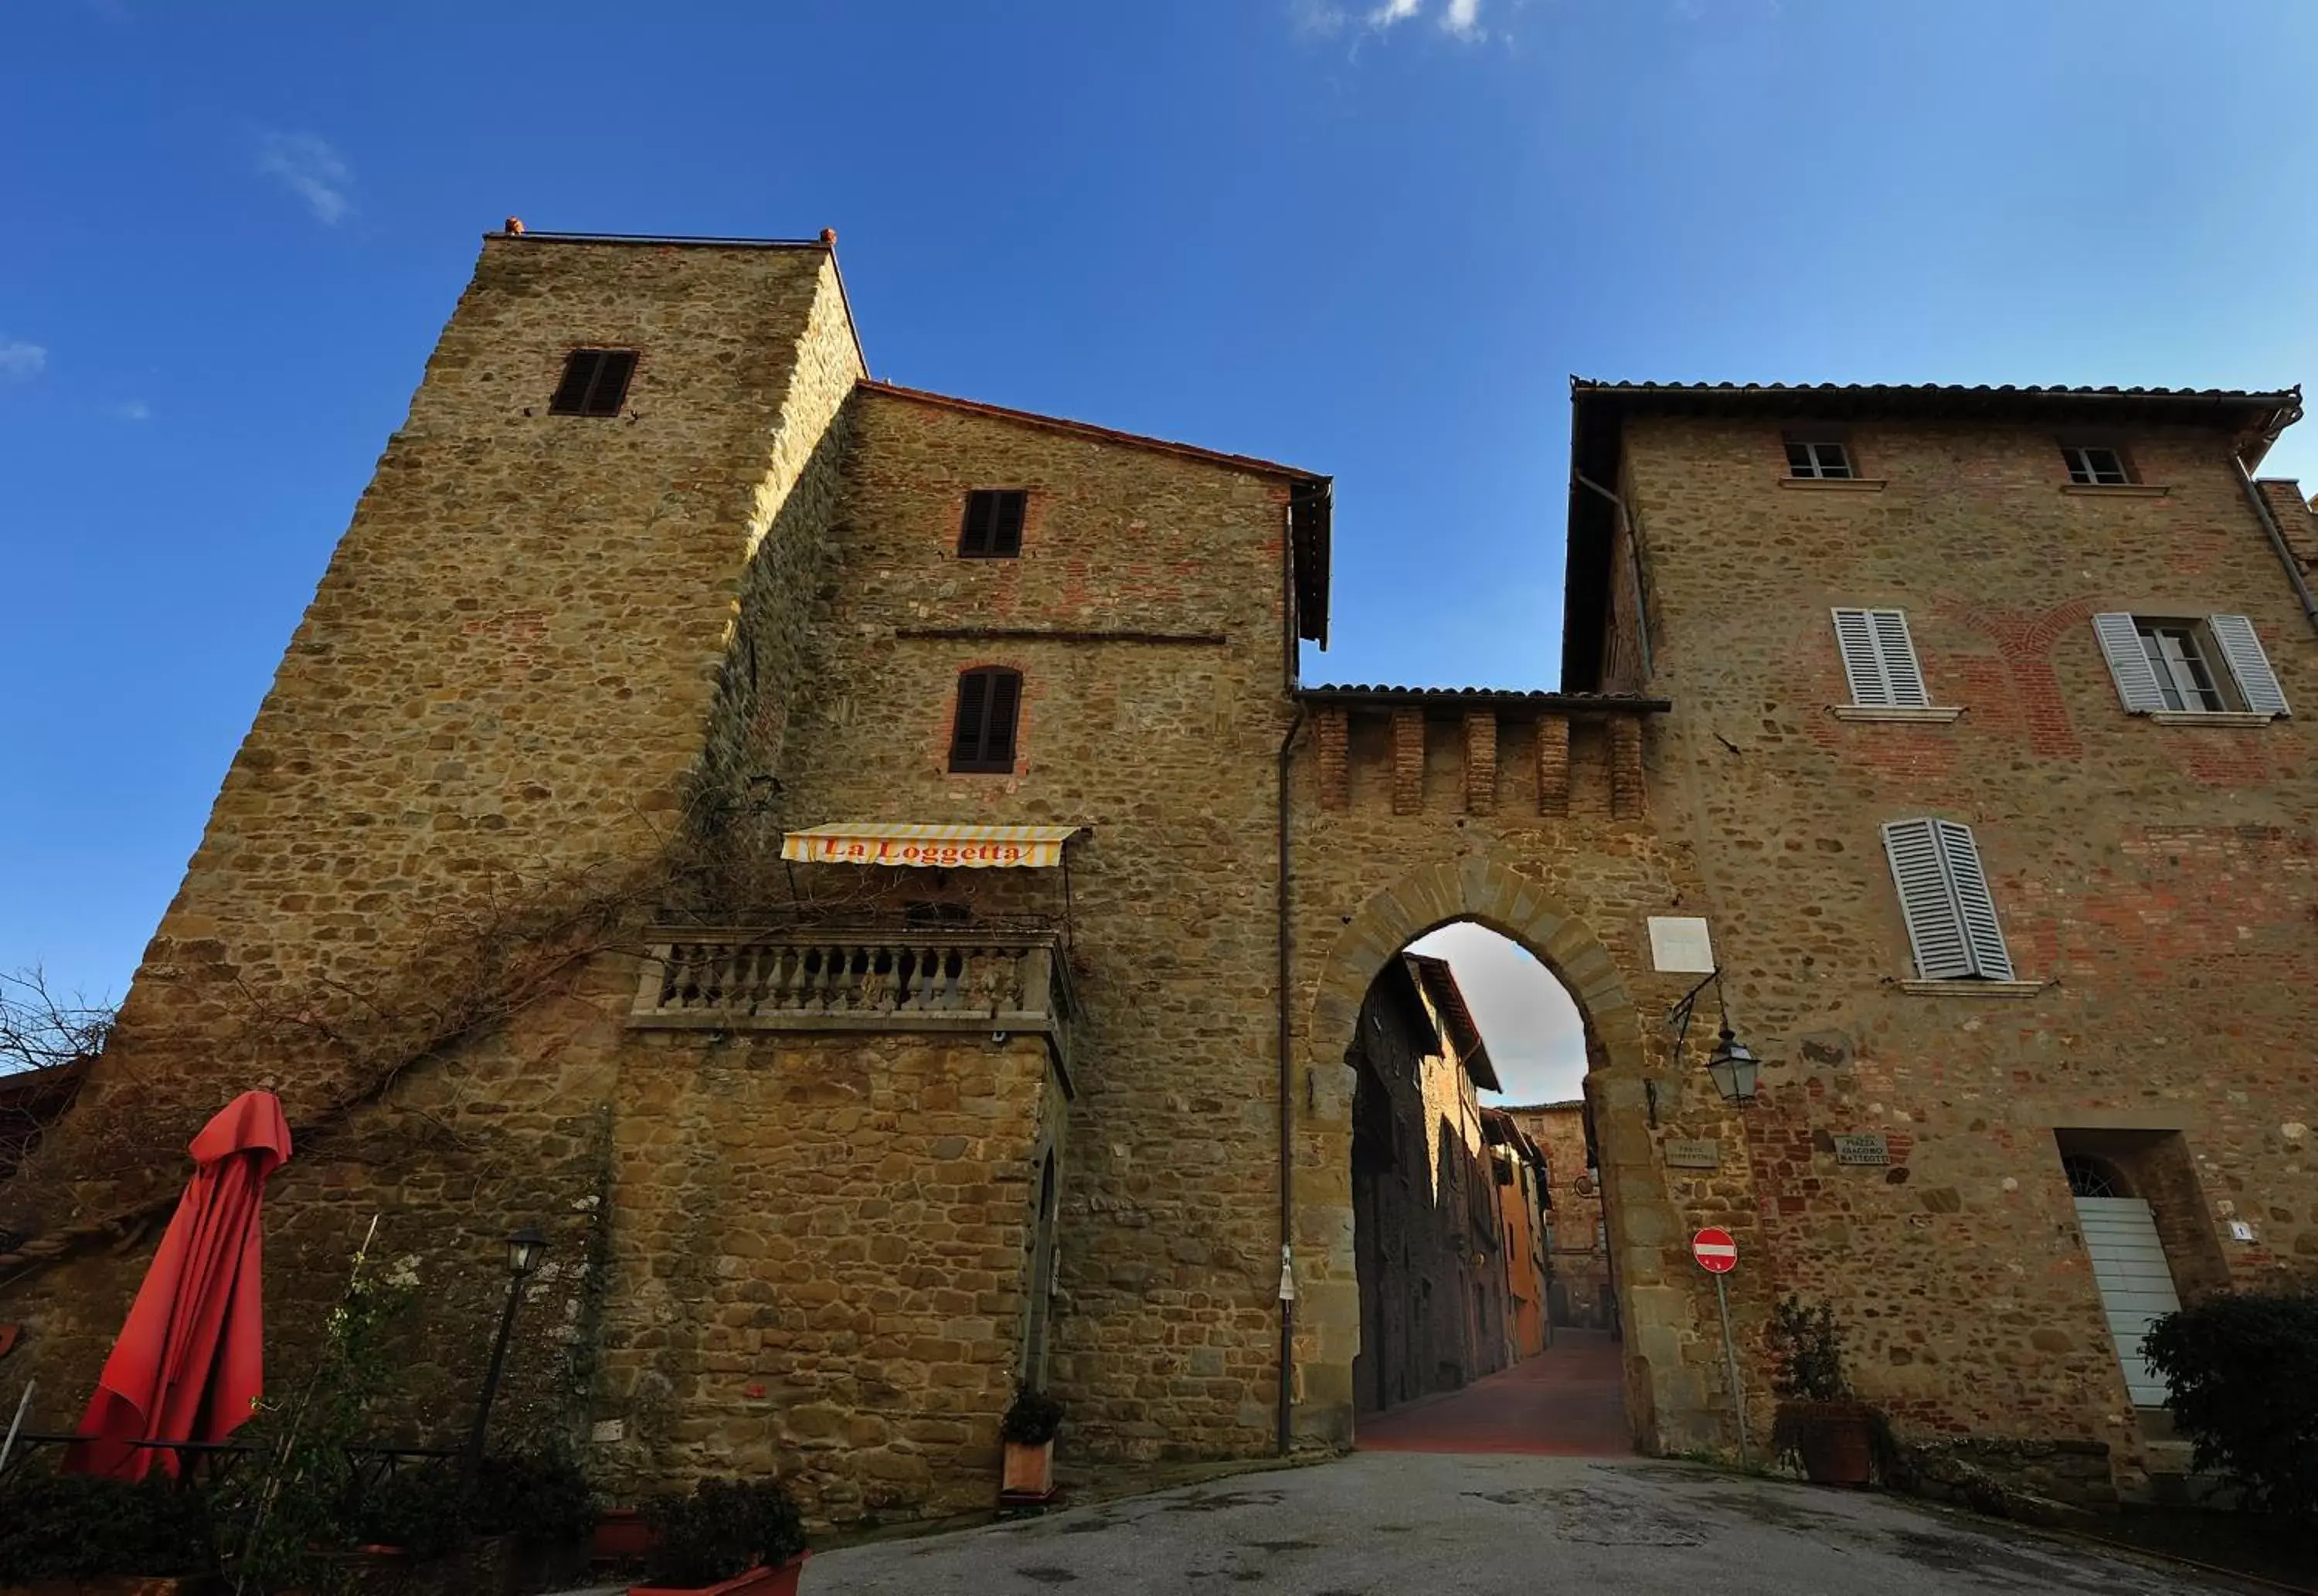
{"x": 1873, "y": 1148}
{"x": 1693, "y": 1155}
{"x": 1679, "y": 944}
{"x": 1716, "y": 1252}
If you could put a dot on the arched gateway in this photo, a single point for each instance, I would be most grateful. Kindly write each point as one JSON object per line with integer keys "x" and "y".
{"x": 1516, "y": 871}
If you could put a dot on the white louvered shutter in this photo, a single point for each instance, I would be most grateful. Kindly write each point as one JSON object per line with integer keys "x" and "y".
{"x": 1862, "y": 664}
{"x": 1935, "y": 931}
{"x": 2248, "y": 664}
{"x": 1879, "y": 660}
{"x": 2136, "y": 678}
{"x": 1983, "y": 938}
{"x": 1898, "y": 652}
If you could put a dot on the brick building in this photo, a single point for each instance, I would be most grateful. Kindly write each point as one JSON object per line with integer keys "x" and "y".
{"x": 858, "y": 868}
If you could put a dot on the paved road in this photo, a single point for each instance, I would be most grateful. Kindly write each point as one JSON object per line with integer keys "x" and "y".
{"x": 1569, "y": 1402}
{"x": 1393, "y": 1523}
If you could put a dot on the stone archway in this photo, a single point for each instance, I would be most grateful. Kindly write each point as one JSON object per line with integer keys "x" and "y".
{"x": 1667, "y": 1403}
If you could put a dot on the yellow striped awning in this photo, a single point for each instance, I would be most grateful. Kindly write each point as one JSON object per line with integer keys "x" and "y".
{"x": 968, "y": 847}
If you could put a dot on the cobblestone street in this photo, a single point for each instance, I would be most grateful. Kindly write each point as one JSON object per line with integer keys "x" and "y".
{"x": 1398, "y": 1522}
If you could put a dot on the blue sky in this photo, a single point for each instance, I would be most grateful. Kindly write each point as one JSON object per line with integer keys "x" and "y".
{"x": 1374, "y": 239}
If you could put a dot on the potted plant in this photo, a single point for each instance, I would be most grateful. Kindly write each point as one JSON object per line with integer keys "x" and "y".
{"x": 78, "y": 1533}
{"x": 731, "y": 1537}
{"x": 1028, "y": 1429}
{"x": 541, "y": 1503}
{"x": 1818, "y": 1423}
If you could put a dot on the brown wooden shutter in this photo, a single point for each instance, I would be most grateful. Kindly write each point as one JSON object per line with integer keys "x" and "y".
{"x": 579, "y": 376}
{"x": 993, "y": 528}
{"x": 595, "y": 382}
{"x": 988, "y": 701}
{"x": 611, "y": 388}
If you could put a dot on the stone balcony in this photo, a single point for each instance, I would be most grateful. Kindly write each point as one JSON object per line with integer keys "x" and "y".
{"x": 865, "y": 979}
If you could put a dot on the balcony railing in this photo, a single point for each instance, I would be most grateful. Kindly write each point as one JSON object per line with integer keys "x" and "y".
{"x": 876, "y": 979}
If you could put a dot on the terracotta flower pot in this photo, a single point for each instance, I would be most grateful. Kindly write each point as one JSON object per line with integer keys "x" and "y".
{"x": 1030, "y": 1473}
{"x": 758, "y": 1582}
{"x": 1837, "y": 1444}
{"x": 620, "y": 1535}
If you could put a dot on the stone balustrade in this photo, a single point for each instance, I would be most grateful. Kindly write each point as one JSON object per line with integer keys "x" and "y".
{"x": 876, "y": 978}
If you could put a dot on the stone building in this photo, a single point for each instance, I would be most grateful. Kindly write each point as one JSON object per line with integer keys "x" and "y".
{"x": 1428, "y": 1226}
{"x": 860, "y": 868}
{"x": 1577, "y": 1239}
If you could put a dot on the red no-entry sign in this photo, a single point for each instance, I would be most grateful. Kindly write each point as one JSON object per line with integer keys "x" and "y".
{"x": 1716, "y": 1252}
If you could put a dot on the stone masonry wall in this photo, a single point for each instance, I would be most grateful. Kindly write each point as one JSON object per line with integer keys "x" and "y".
{"x": 820, "y": 1251}
{"x": 1154, "y": 726}
{"x": 2157, "y": 881}
{"x": 492, "y": 711}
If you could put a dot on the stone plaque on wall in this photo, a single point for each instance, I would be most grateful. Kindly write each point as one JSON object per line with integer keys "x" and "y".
{"x": 1679, "y": 944}
{"x": 1693, "y": 1155}
{"x": 1870, "y": 1149}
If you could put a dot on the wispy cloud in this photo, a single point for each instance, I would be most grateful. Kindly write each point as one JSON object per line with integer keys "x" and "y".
{"x": 309, "y": 167}
{"x": 1318, "y": 19}
{"x": 133, "y": 410}
{"x": 1324, "y": 19}
{"x": 20, "y": 362}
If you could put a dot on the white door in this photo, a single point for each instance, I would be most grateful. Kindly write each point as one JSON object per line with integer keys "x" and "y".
{"x": 2136, "y": 1286}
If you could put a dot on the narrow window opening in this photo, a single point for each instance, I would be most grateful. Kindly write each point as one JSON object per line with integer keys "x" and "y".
{"x": 993, "y": 528}
{"x": 2094, "y": 466}
{"x": 982, "y": 737}
{"x": 1825, "y": 462}
{"x": 595, "y": 382}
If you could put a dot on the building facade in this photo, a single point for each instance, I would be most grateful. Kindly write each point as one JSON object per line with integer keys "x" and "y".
{"x": 860, "y": 869}
{"x": 1577, "y": 1239}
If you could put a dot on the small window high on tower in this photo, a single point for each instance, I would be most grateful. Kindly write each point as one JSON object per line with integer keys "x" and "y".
{"x": 595, "y": 382}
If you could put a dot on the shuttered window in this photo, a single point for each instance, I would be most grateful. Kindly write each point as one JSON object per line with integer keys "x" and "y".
{"x": 1952, "y": 926}
{"x": 595, "y": 382}
{"x": 2241, "y": 652}
{"x": 1880, "y": 658}
{"x": 993, "y": 524}
{"x": 983, "y": 737}
{"x": 2210, "y": 666}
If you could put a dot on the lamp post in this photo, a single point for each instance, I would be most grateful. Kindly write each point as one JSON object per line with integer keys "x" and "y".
{"x": 523, "y": 1249}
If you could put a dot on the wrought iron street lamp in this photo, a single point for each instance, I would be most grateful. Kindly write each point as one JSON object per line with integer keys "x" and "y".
{"x": 1732, "y": 1066}
{"x": 523, "y": 1249}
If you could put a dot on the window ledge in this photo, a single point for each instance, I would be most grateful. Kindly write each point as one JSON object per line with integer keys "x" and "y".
{"x": 2243, "y": 720}
{"x": 2116, "y": 490}
{"x": 1972, "y": 987}
{"x": 1934, "y": 714}
{"x": 1835, "y": 484}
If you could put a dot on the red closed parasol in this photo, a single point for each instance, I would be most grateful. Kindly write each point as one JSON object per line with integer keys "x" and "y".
{"x": 191, "y": 1358}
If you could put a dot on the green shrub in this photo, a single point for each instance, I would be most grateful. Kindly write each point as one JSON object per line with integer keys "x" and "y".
{"x": 1808, "y": 1350}
{"x": 2242, "y": 1373}
{"x": 723, "y": 1528}
{"x": 68, "y": 1525}
{"x": 543, "y": 1498}
{"x": 1033, "y": 1420}
{"x": 420, "y": 1508}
